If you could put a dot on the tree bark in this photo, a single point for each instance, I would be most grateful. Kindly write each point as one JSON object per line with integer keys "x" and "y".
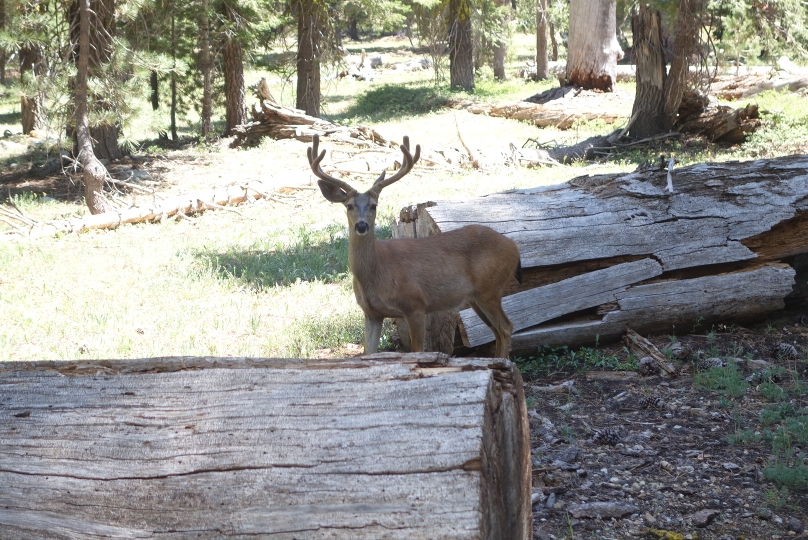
{"x": 100, "y": 28}
{"x": 93, "y": 171}
{"x": 206, "y": 67}
{"x": 648, "y": 113}
{"x": 542, "y": 63}
{"x": 234, "y": 88}
{"x": 32, "y": 105}
{"x": 154, "y": 83}
{"x": 3, "y": 52}
{"x": 501, "y": 45}
{"x": 593, "y": 47}
{"x": 461, "y": 47}
{"x": 309, "y": 25}
{"x": 659, "y": 94}
{"x": 606, "y": 252}
{"x": 390, "y": 446}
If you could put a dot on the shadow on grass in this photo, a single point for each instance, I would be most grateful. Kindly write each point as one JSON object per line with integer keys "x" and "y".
{"x": 303, "y": 255}
{"x": 388, "y": 102}
{"x": 14, "y": 118}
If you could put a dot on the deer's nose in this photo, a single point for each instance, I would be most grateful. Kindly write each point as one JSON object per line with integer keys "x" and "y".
{"x": 361, "y": 227}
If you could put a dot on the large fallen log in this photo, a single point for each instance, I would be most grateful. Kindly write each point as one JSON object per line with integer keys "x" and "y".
{"x": 386, "y": 446}
{"x": 606, "y": 252}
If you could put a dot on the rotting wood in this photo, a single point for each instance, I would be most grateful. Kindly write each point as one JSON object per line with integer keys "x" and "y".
{"x": 642, "y": 348}
{"x": 224, "y": 447}
{"x": 725, "y": 224}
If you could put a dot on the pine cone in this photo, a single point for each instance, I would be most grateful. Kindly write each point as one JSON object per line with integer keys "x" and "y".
{"x": 785, "y": 351}
{"x": 703, "y": 364}
{"x": 652, "y": 402}
{"x": 647, "y": 367}
{"x": 609, "y": 436}
{"x": 764, "y": 375}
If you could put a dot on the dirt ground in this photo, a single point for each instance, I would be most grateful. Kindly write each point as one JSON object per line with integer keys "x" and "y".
{"x": 617, "y": 455}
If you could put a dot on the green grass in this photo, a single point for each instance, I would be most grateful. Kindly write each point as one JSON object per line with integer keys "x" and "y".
{"x": 551, "y": 360}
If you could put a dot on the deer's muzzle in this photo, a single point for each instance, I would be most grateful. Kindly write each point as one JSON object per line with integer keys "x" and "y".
{"x": 361, "y": 227}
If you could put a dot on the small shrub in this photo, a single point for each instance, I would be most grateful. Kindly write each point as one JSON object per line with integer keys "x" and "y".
{"x": 724, "y": 380}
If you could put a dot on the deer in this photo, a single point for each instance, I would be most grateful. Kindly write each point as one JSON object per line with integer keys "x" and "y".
{"x": 412, "y": 277}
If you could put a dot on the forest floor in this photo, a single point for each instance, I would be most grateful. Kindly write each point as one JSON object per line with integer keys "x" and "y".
{"x": 617, "y": 455}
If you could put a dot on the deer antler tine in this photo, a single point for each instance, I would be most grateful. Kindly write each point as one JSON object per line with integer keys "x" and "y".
{"x": 314, "y": 162}
{"x": 406, "y": 166}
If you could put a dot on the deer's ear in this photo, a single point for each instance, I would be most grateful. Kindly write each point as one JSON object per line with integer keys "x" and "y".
{"x": 332, "y": 193}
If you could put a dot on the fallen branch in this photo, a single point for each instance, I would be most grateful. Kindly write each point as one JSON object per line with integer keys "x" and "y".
{"x": 643, "y": 348}
{"x": 175, "y": 207}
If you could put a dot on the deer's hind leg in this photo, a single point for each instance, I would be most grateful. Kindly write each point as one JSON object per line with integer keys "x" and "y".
{"x": 490, "y": 311}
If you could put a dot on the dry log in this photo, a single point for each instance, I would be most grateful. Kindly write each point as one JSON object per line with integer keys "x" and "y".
{"x": 158, "y": 210}
{"x": 606, "y": 252}
{"x": 562, "y": 109}
{"x": 386, "y": 446}
{"x": 279, "y": 122}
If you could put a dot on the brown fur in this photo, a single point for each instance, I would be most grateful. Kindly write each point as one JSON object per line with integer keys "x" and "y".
{"x": 412, "y": 277}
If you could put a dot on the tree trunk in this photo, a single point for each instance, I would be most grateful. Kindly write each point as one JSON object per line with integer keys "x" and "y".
{"x": 554, "y": 42}
{"x": 353, "y": 31}
{"x": 101, "y": 25}
{"x": 606, "y": 252}
{"x": 3, "y": 52}
{"x": 501, "y": 45}
{"x": 206, "y": 67}
{"x": 234, "y": 88}
{"x": 32, "y": 104}
{"x": 173, "y": 80}
{"x": 309, "y": 24}
{"x": 393, "y": 446}
{"x": 154, "y": 83}
{"x": 593, "y": 46}
{"x": 461, "y": 48}
{"x": 542, "y": 64}
{"x": 659, "y": 94}
{"x": 648, "y": 113}
{"x": 93, "y": 171}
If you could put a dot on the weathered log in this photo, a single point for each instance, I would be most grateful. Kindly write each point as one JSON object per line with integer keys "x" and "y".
{"x": 606, "y": 252}
{"x": 386, "y": 446}
{"x": 279, "y": 122}
{"x": 153, "y": 210}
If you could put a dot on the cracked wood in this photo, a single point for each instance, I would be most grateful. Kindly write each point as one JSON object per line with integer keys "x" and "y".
{"x": 384, "y": 448}
{"x": 720, "y": 217}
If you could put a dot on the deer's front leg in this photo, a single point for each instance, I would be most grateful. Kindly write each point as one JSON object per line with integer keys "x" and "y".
{"x": 373, "y": 332}
{"x": 416, "y": 321}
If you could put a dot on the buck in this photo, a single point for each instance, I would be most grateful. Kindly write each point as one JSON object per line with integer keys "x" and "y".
{"x": 411, "y": 277}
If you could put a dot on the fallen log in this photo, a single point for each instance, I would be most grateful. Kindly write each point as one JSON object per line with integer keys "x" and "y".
{"x": 607, "y": 252}
{"x": 278, "y": 122}
{"x": 154, "y": 210}
{"x": 386, "y": 446}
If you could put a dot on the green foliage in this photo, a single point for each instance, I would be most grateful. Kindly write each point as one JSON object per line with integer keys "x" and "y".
{"x": 554, "y": 359}
{"x": 745, "y": 437}
{"x": 789, "y": 476}
{"x": 726, "y": 380}
{"x": 387, "y": 102}
{"x": 772, "y": 414}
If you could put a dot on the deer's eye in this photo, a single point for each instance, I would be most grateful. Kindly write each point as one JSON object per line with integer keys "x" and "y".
{"x": 349, "y": 206}
{"x": 373, "y": 207}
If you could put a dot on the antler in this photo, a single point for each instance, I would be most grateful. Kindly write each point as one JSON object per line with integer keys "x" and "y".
{"x": 406, "y": 166}
{"x": 314, "y": 162}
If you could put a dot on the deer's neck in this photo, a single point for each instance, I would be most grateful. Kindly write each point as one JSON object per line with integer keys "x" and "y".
{"x": 363, "y": 256}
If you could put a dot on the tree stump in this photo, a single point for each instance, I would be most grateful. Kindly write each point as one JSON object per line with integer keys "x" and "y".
{"x": 384, "y": 446}
{"x": 607, "y": 252}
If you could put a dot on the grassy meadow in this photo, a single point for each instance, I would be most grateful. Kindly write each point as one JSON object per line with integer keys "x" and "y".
{"x": 270, "y": 279}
